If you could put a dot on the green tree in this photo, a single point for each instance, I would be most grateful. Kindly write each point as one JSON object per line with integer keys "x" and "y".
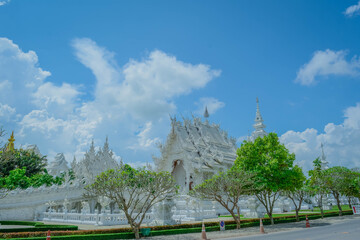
{"x": 298, "y": 194}
{"x": 2, "y": 133}
{"x": 20, "y": 158}
{"x": 21, "y": 168}
{"x": 17, "y": 179}
{"x": 135, "y": 191}
{"x": 3, "y": 189}
{"x": 272, "y": 166}
{"x": 337, "y": 181}
{"x": 227, "y": 188}
{"x": 351, "y": 188}
{"x": 316, "y": 184}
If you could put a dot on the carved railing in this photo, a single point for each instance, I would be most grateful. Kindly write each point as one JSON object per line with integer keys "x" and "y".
{"x": 105, "y": 219}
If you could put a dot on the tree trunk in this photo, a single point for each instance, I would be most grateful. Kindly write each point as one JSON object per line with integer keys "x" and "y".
{"x": 236, "y": 218}
{"x": 338, "y": 203}
{"x": 322, "y": 212}
{"x": 271, "y": 218}
{"x": 238, "y": 223}
{"x": 297, "y": 214}
{"x": 265, "y": 200}
{"x": 321, "y": 206}
{"x": 136, "y": 229}
{"x": 349, "y": 201}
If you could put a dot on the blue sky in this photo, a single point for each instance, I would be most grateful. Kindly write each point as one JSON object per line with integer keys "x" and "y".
{"x": 72, "y": 71}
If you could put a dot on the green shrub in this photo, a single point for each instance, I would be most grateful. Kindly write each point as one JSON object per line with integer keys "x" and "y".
{"x": 20, "y": 223}
{"x": 38, "y": 226}
{"x": 124, "y": 233}
{"x": 86, "y": 237}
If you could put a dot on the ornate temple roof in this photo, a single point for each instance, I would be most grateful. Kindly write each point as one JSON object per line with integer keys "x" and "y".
{"x": 258, "y": 125}
{"x": 324, "y": 163}
{"x": 59, "y": 165}
{"x": 200, "y": 144}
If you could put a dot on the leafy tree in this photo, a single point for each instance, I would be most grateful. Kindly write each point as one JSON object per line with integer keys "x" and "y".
{"x": 316, "y": 184}
{"x": 21, "y": 168}
{"x": 272, "y": 166}
{"x": 2, "y": 133}
{"x": 297, "y": 195}
{"x": 351, "y": 188}
{"x": 18, "y": 179}
{"x": 226, "y": 188}
{"x": 135, "y": 191}
{"x": 19, "y": 158}
{"x": 337, "y": 181}
{"x": 3, "y": 189}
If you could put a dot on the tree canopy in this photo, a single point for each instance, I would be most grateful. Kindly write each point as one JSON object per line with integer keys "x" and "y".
{"x": 20, "y": 168}
{"x": 20, "y": 158}
{"x": 135, "y": 191}
{"x": 226, "y": 188}
{"x": 272, "y": 166}
{"x": 339, "y": 181}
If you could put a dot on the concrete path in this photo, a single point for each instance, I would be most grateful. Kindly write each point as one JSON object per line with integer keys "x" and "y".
{"x": 245, "y": 233}
{"x": 14, "y": 226}
{"x": 344, "y": 230}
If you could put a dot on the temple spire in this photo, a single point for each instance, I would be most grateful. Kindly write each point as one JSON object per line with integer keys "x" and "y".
{"x": 11, "y": 146}
{"x": 259, "y": 124}
{"x": 206, "y": 113}
{"x": 324, "y": 163}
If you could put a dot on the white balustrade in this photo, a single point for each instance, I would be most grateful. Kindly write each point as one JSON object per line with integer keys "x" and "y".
{"x": 96, "y": 219}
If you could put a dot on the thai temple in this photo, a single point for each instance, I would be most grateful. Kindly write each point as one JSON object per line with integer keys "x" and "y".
{"x": 259, "y": 125}
{"x": 194, "y": 151}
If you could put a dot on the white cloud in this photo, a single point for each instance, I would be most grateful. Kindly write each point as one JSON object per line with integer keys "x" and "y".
{"x": 328, "y": 62}
{"x": 146, "y": 89}
{"x": 98, "y": 59}
{"x": 60, "y": 99}
{"x": 353, "y": 10}
{"x": 20, "y": 75}
{"x": 129, "y": 102}
{"x": 341, "y": 142}
{"x": 39, "y": 120}
{"x": 2, "y": 3}
{"x": 212, "y": 105}
{"x": 6, "y": 112}
{"x": 144, "y": 139}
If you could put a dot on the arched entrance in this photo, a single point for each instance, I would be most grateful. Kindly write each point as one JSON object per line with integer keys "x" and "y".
{"x": 179, "y": 173}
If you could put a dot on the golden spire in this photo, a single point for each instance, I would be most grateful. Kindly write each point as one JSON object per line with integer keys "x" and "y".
{"x": 10, "y": 146}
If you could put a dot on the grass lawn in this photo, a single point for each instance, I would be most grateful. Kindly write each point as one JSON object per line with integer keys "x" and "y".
{"x": 241, "y": 216}
{"x": 334, "y": 208}
{"x": 301, "y": 213}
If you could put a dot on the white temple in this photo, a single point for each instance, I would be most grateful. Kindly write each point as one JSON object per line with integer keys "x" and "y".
{"x": 323, "y": 162}
{"x": 259, "y": 124}
{"x": 58, "y": 166}
{"x": 194, "y": 151}
{"x": 38, "y": 203}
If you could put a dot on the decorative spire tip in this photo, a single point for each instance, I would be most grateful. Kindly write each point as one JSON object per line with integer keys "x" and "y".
{"x": 206, "y": 113}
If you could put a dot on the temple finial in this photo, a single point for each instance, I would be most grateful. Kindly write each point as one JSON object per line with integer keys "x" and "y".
{"x": 206, "y": 113}
{"x": 10, "y": 146}
{"x": 259, "y": 123}
{"x": 324, "y": 163}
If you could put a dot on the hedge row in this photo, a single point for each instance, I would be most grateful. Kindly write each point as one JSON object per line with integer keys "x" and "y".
{"x": 20, "y": 223}
{"x": 38, "y": 226}
{"x": 124, "y": 233}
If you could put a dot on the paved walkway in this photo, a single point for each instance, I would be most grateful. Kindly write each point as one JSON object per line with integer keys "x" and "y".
{"x": 255, "y": 230}
{"x": 91, "y": 227}
{"x": 14, "y": 226}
